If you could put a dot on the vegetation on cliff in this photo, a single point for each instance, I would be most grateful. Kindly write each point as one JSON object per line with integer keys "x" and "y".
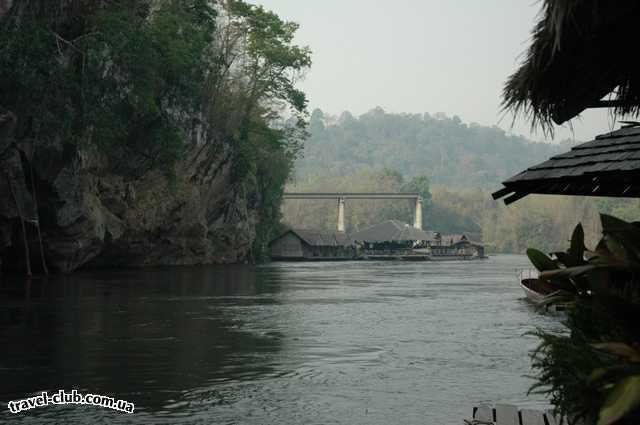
{"x": 156, "y": 85}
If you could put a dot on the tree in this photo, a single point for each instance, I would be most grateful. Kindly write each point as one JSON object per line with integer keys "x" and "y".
{"x": 144, "y": 82}
{"x": 421, "y": 185}
{"x": 120, "y": 79}
{"x": 257, "y": 69}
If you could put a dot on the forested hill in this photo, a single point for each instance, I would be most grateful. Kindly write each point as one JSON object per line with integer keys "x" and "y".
{"x": 444, "y": 148}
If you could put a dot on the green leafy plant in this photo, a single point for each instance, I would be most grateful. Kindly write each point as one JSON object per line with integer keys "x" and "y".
{"x": 593, "y": 373}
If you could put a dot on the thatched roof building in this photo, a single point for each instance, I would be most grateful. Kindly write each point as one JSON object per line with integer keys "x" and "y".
{"x": 319, "y": 238}
{"x": 392, "y": 231}
{"x": 302, "y": 244}
{"x": 580, "y": 54}
{"x": 581, "y": 51}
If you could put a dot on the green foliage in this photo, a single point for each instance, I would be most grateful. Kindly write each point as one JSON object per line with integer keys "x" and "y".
{"x": 136, "y": 79}
{"x": 124, "y": 83}
{"x": 540, "y": 260}
{"x": 594, "y": 372}
{"x": 421, "y": 185}
{"x": 446, "y": 150}
{"x": 273, "y": 169}
{"x": 271, "y": 52}
{"x": 623, "y": 398}
{"x": 464, "y": 164}
{"x": 266, "y": 142}
{"x": 556, "y": 361}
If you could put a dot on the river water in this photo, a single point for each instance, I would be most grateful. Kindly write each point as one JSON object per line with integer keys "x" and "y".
{"x": 285, "y": 343}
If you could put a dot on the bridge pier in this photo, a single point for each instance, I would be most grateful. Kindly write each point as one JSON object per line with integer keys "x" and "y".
{"x": 341, "y": 226}
{"x": 417, "y": 218}
{"x": 342, "y": 196}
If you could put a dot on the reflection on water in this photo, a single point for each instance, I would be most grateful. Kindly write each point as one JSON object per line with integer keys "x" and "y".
{"x": 360, "y": 342}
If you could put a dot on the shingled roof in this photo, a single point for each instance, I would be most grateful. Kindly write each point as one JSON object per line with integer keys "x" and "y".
{"x": 391, "y": 230}
{"x": 606, "y": 166}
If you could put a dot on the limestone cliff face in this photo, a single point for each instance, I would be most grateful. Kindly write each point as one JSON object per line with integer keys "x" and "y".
{"x": 92, "y": 216}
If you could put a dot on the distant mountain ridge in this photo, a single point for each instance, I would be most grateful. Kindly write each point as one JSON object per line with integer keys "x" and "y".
{"x": 444, "y": 148}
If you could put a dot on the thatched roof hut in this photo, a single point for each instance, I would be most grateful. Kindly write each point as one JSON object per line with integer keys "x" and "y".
{"x": 581, "y": 51}
{"x": 302, "y": 244}
{"x": 392, "y": 231}
{"x": 320, "y": 238}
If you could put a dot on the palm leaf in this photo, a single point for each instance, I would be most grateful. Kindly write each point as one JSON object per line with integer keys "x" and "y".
{"x": 540, "y": 260}
{"x": 621, "y": 400}
{"x": 576, "y": 251}
{"x": 619, "y": 349}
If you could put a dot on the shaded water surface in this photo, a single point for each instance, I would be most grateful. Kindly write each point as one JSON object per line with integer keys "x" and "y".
{"x": 312, "y": 343}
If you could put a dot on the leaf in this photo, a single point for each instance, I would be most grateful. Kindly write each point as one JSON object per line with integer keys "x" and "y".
{"x": 540, "y": 260}
{"x": 619, "y": 349}
{"x": 614, "y": 226}
{"x": 566, "y": 259}
{"x": 559, "y": 297}
{"x": 600, "y": 281}
{"x": 622, "y": 399}
{"x": 597, "y": 374}
{"x": 602, "y": 250}
{"x": 577, "y": 244}
{"x": 626, "y": 234}
{"x": 568, "y": 272}
{"x": 619, "y": 254}
{"x": 602, "y": 255}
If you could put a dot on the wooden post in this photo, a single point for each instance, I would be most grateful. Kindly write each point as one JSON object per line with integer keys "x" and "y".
{"x": 24, "y": 228}
{"x": 35, "y": 203}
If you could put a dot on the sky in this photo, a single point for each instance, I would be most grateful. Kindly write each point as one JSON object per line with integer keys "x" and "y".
{"x": 417, "y": 56}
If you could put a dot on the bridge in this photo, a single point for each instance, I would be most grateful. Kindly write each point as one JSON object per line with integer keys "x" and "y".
{"x": 342, "y": 196}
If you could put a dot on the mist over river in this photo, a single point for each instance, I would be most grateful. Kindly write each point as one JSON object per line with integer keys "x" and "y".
{"x": 285, "y": 343}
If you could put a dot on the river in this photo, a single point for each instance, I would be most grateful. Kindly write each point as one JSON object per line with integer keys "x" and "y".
{"x": 284, "y": 343}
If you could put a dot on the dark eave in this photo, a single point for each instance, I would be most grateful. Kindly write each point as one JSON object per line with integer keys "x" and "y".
{"x": 606, "y": 166}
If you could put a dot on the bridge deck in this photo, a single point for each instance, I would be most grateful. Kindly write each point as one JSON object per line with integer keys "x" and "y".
{"x": 350, "y": 195}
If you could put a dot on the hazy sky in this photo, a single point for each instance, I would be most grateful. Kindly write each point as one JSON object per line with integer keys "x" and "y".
{"x": 449, "y": 56}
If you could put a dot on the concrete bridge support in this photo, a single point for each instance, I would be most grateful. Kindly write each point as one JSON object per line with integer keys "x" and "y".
{"x": 341, "y": 226}
{"x": 342, "y": 196}
{"x": 417, "y": 218}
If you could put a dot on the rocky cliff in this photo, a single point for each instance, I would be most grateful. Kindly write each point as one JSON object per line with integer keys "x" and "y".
{"x": 92, "y": 216}
{"x": 144, "y": 132}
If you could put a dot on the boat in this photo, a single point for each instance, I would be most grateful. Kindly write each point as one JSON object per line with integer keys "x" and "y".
{"x": 537, "y": 290}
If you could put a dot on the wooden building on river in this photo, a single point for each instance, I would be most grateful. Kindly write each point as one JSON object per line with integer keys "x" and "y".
{"x": 455, "y": 247}
{"x": 312, "y": 245}
{"x": 392, "y": 239}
